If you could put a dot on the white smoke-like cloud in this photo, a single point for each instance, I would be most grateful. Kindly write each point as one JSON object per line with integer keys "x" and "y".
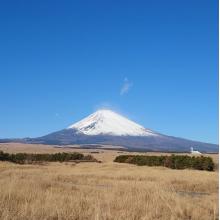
{"x": 126, "y": 86}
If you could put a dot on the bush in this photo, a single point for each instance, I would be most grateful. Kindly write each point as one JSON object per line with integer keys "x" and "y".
{"x": 173, "y": 161}
{"x": 29, "y": 158}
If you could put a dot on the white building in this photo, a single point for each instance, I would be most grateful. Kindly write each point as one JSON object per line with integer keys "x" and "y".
{"x": 194, "y": 151}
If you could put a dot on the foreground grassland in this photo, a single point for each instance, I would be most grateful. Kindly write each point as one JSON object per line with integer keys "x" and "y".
{"x": 101, "y": 191}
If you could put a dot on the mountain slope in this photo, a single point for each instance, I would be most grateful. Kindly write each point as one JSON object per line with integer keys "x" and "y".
{"x": 107, "y": 127}
{"x": 107, "y": 122}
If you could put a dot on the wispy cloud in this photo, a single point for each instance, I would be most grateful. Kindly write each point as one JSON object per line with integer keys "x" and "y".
{"x": 126, "y": 86}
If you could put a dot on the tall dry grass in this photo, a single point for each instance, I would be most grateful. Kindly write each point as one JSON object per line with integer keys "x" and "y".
{"x": 105, "y": 191}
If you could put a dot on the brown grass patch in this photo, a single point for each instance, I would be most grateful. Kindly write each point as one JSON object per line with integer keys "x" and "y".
{"x": 106, "y": 191}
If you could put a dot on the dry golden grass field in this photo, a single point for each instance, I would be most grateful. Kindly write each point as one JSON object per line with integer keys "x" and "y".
{"x": 103, "y": 191}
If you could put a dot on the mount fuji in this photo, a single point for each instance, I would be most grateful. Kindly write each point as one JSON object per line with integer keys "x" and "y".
{"x": 107, "y": 122}
{"x": 105, "y": 127}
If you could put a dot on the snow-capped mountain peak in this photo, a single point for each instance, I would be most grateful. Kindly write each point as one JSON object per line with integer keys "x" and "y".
{"x": 107, "y": 122}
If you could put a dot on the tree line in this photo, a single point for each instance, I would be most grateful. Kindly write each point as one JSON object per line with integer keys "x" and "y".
{"x": 173, "y": 161}
{"x": 23, "y": 158}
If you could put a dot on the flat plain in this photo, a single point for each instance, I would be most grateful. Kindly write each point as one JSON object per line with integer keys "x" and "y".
{"x": 103, "y": 191}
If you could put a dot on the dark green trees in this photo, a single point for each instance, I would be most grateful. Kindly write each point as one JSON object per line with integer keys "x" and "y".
{"x": 29, "y": 158}
{"x": 173, "y": 161}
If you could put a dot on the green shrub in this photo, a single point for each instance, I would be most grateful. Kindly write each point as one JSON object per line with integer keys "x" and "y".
{"x": 173, "y": 161}
{"x": 29, "y": 158}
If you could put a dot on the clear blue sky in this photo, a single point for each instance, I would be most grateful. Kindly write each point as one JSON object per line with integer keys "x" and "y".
{"x": 154, "y": 61}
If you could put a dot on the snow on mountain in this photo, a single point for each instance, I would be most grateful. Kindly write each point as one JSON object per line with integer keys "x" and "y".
{"x": 107, "y": 122}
